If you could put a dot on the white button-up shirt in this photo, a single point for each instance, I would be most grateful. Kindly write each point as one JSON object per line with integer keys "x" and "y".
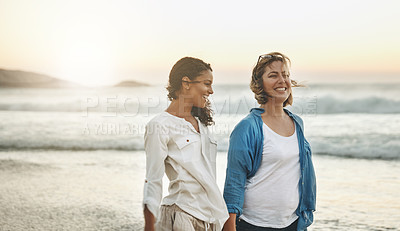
{"x": 188, "y": 158}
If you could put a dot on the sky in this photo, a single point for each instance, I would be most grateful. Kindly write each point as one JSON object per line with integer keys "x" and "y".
{"x": 99, "y": 42}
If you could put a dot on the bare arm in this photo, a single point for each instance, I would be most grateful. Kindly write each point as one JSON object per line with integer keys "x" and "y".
{"x": 230, "y": 224}
{"x": 149, "y": 219}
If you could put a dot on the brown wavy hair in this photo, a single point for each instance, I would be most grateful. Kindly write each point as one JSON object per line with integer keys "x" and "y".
{"x": 191, "y": 68}
{"x": 257, "y": 84}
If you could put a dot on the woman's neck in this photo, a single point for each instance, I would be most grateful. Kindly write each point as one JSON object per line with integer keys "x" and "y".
{"x": 273, "y": 109}
{"x": 180, "y": 109}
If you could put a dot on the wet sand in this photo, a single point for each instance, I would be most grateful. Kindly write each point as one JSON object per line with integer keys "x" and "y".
{"x": 102, "y": 190}
{"x": 70, "y": 191}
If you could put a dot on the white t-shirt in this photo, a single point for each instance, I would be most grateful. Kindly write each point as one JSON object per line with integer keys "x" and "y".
{"x": 173, "y": 146}
{"x": 272, "y": 194}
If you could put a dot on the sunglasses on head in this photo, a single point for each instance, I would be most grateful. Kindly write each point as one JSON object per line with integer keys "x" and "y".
{"x": 271, "y": 57}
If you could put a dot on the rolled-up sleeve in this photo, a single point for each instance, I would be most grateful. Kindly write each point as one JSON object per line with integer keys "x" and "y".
{"x": 155, "y": 144}
{"x": 238, "y": 166}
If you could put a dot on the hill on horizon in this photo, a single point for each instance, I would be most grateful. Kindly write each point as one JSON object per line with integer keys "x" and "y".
{"x": 130, "y": 83}
{"x": 16, "y": 78}
{"x": 26, "y": 79}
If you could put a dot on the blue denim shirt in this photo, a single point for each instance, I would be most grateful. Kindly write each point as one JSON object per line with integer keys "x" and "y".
{"x": 244, "y": 159}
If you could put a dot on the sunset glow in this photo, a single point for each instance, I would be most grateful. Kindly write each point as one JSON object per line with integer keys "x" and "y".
{"x": 103, "y": 42}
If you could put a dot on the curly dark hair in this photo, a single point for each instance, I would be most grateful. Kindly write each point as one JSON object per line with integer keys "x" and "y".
{"x": 191, "y": 68}
{"x": 257, "y": 85}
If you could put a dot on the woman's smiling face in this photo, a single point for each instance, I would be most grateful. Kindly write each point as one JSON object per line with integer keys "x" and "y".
{"x": 201, "y": 88}
{"x": 276, "y": 81}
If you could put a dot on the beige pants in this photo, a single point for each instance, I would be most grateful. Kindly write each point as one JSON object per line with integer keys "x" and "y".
{"x": 174, "y": 218}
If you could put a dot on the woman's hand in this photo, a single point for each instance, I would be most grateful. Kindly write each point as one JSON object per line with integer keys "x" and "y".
{"x": 149, "y": 219}
{"x": 230, "y": 224}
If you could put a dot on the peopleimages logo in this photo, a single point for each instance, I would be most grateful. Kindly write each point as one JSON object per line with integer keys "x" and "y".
{"x": 112, "y": 106}
{"x": 128, "y": 116}
{"x": 122, "y": 106}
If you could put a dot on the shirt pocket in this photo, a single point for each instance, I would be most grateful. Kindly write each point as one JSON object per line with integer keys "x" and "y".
{"x": 189, "y": 147}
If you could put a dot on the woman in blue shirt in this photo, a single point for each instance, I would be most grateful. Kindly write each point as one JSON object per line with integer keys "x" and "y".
{"x": 270, "y": 179}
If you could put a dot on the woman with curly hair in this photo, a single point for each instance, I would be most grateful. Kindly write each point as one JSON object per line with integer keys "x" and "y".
{"x": 178, "y": 142}
{"x": 270, "y": 179}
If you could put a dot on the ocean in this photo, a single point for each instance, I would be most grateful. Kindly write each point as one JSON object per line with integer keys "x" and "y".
{"x": 64, "y": 145}
{"x": 359, "y": 121}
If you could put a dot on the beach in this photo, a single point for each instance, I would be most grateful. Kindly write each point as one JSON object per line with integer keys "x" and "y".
{"x": 71, "y": 190}
{"x": 73, "y": 159}
{"x": 80, "y": 81}
{"x": 102, "y": 190}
